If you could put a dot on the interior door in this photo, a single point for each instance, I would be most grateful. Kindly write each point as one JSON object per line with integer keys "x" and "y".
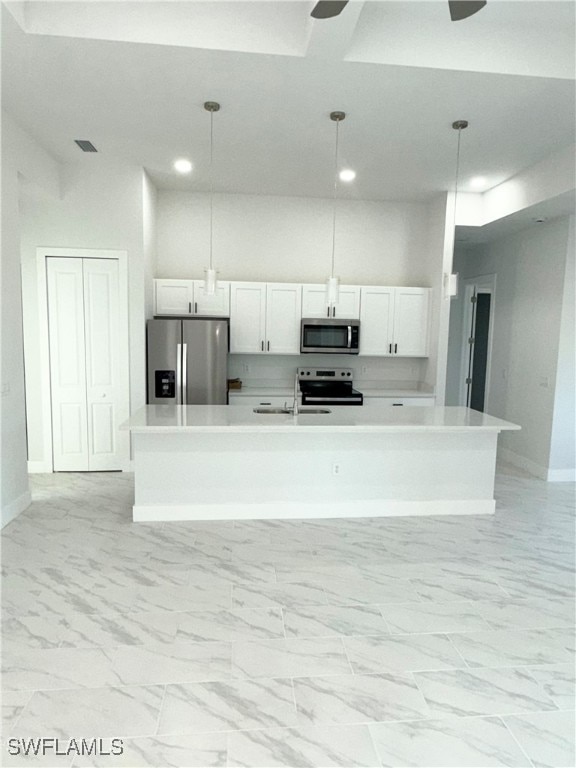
{"x": 105, "y": 399}
{"x": 478, "y": 359}
{"x": 65, "y": 281}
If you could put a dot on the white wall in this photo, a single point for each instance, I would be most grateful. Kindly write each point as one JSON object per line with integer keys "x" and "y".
{"x": 149, "y": 214}
{"x": 290, "y": 239}
{"x": 562, "y": 464}
{"x": 24, "y": 164}
{"x": 530, "y": 272}
{"x": 101, "y": 208}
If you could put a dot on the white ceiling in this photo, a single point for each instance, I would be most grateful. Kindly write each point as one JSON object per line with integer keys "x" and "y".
{"x": 132, "y": 78}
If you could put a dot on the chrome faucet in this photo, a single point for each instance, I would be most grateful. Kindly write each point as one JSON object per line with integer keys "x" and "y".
{"x": 296, "y": 389}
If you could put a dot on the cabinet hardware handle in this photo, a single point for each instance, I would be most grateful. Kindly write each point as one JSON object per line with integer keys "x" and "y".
{"x": 262, "y": 346}
{"x": 397, "y": 403}
{"x": 189, "y": 307}
{"x": 390, "y": 348}
{"x": 333, "y": 311}
{"x": 268, "y": 346}
{"x": 327, "y": 311}
{"x": 395, "y": 349}
{"x": 195, "y": 307}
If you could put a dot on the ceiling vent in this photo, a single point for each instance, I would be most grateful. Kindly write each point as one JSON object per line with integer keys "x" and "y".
{"x": 85, "y": 145}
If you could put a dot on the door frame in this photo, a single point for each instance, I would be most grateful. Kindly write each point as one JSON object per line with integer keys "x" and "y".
{"x": 42, "y": 254}
{"x": 482, "y": 284}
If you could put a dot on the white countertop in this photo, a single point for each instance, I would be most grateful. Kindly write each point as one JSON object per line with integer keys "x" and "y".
{"x": 238, "y": 418}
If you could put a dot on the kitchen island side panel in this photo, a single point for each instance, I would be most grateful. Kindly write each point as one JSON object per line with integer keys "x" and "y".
{"x": 202, "y": 476}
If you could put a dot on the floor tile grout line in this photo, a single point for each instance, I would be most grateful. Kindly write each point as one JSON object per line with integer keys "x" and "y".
{"x": 520, "y": 747}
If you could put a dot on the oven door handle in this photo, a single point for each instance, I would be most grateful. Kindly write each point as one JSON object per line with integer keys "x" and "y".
{"x": 349, "y": 345}
{"x": 308, "y": 399}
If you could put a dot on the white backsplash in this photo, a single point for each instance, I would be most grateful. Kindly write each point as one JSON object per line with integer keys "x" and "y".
{"x": 279, "y": 370}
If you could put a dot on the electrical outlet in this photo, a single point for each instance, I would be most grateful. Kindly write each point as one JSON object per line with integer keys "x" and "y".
{"x": 246, "y": 368}
{"x": 364, "y": 369}
{"x": 335, "y": 469}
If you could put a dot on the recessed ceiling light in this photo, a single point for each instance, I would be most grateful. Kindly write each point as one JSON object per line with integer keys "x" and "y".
{"x": 182, "y": 165}
{"x": 478, "y": 182}
{"x": 347, "y": 175}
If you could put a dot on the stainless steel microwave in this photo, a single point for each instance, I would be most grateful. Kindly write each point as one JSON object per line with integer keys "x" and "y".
{"x": 334, "y": 336}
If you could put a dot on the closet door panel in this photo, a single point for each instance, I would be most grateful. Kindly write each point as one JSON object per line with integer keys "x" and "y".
{"x": 103, "y": 363}
{"x": 67, "y": 364}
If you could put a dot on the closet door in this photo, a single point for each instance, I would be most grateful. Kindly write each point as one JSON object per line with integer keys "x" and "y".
{"x": 67, "y": 364}
{"x": 104, "y": 391}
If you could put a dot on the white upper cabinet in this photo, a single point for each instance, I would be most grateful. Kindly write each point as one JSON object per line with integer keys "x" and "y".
{"x": 265, "y": 318}
{"x": 315, "y": 304}
{"x": 247, "y": 318}
{"x": 174, "y": 297}
{"x": 376, "y": 320}
{"x": 187, "y": 297}
{"x": 214, "y": 305}
{"x": 394, "y": 321}
{"x": 411, "y": 313}
{"x": 283, "y": 314}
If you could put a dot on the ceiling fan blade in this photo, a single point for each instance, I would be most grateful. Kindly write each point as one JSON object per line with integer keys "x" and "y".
{"x": 461, "y": 9}
{"x": 327, "y": 9}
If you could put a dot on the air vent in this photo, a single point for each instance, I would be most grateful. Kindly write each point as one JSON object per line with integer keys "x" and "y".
{"x": 85, "y": 145}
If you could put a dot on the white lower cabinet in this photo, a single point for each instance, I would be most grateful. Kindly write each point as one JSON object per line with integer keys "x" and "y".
{"x": 391, "y": 402}
{"x": 255, "y": 402}
{"x": 394, "y": 321}
{"x": 187, "y": 297}
{"x": 265, "y": 318}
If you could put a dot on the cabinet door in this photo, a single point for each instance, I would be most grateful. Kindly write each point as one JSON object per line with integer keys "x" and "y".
{"x": 67, "y": 364}
{"x": 283, "y": 315}
{"x": 215, "y": 305}
{"x": 174, "y": 297}
{"x": 247, "y": 318}
{"x": 314, "y": 302}
{"x": 376, "y": 320}
{"x": 411, "y": 313}
{"x": 348, "y": 304}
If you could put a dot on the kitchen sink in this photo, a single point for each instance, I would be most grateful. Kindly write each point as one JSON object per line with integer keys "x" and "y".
{"x": 273, "y": 410}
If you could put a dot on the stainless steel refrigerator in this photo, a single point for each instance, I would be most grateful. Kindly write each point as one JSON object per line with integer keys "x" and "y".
{"x": 187, "y": 361}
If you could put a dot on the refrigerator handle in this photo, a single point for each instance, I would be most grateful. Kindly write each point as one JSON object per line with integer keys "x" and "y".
{"x": 178, "y": 373}
{"x": 184, "y": 372}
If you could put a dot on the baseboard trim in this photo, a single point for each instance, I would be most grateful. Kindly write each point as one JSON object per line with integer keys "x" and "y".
{"x": 40, "y": 468}
{"x": 523, "y": 463}
{"x": 296, "y": 510}
{"x": 12, "y": 510}
{"x": 562, "y": 476}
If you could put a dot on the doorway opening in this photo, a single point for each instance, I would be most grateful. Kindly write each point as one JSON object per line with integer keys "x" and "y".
{"x": 477, "y": 342}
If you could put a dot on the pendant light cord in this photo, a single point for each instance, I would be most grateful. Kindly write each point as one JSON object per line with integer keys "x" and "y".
{"x": 211, "y": 183}
{"x": 334, "y": 198}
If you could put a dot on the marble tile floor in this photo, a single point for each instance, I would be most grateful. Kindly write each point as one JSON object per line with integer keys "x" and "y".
{"x": 353, "y": 642}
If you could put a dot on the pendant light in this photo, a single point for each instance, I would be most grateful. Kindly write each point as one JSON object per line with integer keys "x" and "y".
{"x": 333, "y": 282}
{"x": 210, "y": 280}
{"x": 451, "y": 280}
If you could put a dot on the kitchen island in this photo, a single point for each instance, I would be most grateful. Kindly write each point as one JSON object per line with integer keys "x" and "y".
{"x": 201, "y": 462}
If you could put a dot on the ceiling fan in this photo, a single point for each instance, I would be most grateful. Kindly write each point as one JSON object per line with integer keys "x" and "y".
{"x": 459, "y": 9}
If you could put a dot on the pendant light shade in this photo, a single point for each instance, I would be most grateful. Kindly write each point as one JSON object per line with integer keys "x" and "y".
{"x": 210, "y": 279}
{"x": 333, "y": 281}
{"x": 451, "y": 280}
